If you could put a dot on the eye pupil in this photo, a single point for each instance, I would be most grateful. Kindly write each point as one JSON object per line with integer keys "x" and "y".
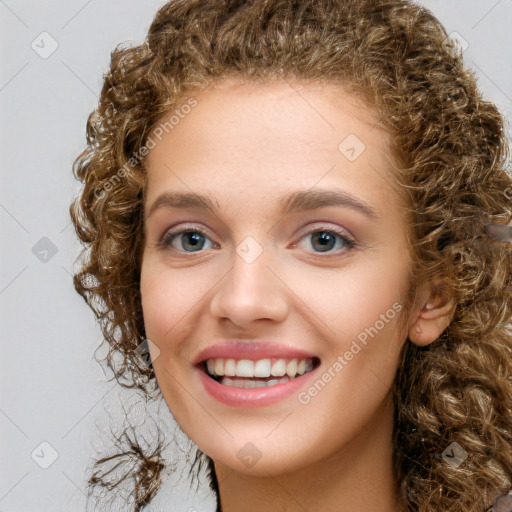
{"x": 325, "y": 238}
{"x": 195, "y": 238}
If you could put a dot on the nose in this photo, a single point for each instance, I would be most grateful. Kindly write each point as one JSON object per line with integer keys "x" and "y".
{"x": 250, "y": 291}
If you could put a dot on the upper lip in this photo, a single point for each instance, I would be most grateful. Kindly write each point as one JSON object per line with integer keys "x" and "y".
{"x": 252, "y": 350}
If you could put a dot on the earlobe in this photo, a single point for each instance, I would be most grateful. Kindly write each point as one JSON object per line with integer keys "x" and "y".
{"x": 434, "y": 316}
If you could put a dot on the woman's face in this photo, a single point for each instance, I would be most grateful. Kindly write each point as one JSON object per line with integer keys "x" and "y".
{"x": 273, "y": 275}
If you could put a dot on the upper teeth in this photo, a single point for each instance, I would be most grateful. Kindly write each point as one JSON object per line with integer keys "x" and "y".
{"x": 259, "y": 368}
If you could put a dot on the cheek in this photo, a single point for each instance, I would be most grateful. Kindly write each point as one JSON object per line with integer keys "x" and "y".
{"x": 362, "y": 308}
{"x": 171, "y": 301}
{"x": 162, "y": 306}
{"x": 373, "y": 340}
{"x": 166, "y": 296}
{"x": 346, "y": 301}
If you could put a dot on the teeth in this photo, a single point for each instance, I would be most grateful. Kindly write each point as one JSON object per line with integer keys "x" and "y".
{"x": 244, "y": 368}
{"x": 230, "y": 367}
{"x": 291, "y": 368}
{"x": 278, "y": 368}
{"x": 263, "y": 368}
{"x": 218, "y": 367}
{"x": 239, "y": 383}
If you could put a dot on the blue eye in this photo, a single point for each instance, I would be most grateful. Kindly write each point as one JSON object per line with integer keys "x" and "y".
{"x": 323, "y": 239}
{"x": 194, "y": 239}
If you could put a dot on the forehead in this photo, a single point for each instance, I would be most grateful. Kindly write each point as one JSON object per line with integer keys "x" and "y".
{"x": 259, "y": 138}
{"x": 303, "y": 107}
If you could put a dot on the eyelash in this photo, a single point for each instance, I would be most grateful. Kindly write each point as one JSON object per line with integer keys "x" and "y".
{"x": 168, "y": 238}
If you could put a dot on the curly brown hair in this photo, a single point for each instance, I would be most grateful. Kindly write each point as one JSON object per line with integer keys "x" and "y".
{"x": 451, "y": 152}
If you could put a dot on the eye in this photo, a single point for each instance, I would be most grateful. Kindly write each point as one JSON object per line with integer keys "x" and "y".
{"x": 324, "y": 239}
{"x": 194, "y": 239}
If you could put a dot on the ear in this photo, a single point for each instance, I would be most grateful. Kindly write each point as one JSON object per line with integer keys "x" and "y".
{"x": 433, "y": 316}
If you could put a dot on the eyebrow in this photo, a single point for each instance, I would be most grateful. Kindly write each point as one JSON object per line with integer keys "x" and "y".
{"x": 297, "y": 200}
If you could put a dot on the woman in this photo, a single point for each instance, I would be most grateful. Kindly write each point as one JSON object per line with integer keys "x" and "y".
{"x": 287, "y": 202}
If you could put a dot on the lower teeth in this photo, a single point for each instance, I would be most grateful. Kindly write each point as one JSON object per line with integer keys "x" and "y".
{"x": 248, "y": 383}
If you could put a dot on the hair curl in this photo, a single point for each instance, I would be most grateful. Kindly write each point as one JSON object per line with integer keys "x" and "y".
{"x": 451, "y": 152}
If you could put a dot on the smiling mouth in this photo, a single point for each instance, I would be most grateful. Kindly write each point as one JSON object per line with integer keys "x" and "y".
{"x": 246, "y": 373}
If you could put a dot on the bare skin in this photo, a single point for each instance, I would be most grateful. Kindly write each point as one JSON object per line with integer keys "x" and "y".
{"x": 247, "y": 146}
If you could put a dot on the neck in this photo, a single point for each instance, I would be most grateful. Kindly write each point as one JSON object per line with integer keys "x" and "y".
{"x": 359, "y": 476}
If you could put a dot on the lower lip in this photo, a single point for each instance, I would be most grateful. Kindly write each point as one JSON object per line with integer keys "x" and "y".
{"x": 252, "y": 397}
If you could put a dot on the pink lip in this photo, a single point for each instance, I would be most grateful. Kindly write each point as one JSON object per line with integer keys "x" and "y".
{"x": 252, "y": 350}
{"x": 252, "y": 397}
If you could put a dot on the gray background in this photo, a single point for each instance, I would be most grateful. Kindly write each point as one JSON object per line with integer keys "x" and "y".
{"x": 52, "y": 390}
